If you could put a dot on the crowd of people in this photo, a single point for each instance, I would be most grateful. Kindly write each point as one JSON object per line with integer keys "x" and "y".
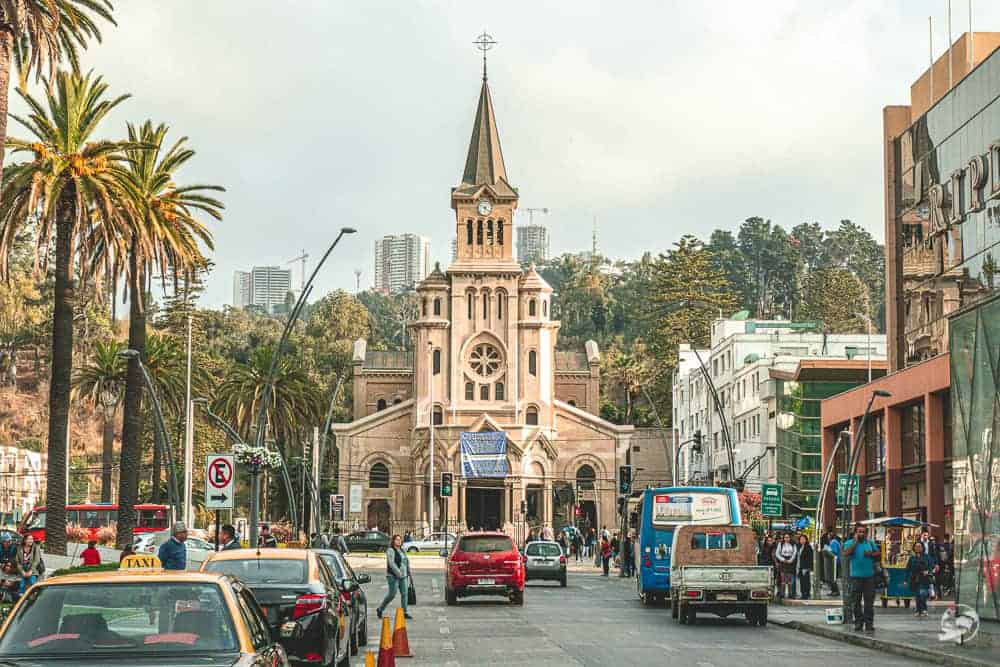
{"x": 607, "y": 549}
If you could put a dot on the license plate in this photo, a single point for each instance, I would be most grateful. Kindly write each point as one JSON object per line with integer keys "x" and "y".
{"x": 487, "y": 582}
{"x": 727, "y": 596}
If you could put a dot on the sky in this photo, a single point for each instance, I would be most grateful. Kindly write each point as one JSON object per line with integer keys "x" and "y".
{"x": 656, "y": 119}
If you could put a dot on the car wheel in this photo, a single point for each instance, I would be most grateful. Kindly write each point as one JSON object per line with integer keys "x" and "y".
{"x": 450, "y": 598}
{"x": 682, "y": 615}
{"x": 762, "y": 616}
{"x": 517, "y": 598}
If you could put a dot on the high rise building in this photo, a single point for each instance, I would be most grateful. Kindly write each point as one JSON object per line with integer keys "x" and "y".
{"x": 242, "y": 291}
{"x": 401, "y": 261}
{"x": 269, "y": 285}
{"x": 532, "y": 244}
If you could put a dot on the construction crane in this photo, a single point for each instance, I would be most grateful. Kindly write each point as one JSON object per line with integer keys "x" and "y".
{"x": 301, "y": 258}
{"x": 533, "y": 211}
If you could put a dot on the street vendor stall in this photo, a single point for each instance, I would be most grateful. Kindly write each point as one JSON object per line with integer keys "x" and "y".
{"x": 895, "y": 535}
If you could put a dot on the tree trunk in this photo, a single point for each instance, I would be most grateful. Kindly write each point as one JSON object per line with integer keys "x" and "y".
{"x": 107, "y": 454}
{"x": 59, "y": 385}
{"x": 157, "y": 476}
{"x": 131, "y": 454}
{"x": 6, "y": 42}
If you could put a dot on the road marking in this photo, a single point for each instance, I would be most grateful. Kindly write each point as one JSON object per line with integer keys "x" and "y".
{"x": 705, "y": 664}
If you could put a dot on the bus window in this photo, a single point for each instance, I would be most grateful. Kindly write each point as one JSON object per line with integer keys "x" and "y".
{"x": 95, "y": 518}
{"x": 152, "y": 519}
{"x": 35, "y": 520}
{"x": 72, "y": 517}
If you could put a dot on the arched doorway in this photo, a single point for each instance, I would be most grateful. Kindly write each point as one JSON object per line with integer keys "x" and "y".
{"x": 586, "y": 508}
{"x": 379, "y": 515}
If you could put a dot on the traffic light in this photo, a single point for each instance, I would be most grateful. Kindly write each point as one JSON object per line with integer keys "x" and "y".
{"x": 696, "y": 441}
{"x": 446, "y": 484}
{"x": 625, "y": 480}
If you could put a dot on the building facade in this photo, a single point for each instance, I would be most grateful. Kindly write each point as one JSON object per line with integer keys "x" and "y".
{"x": 401, "y": 261}
{"x": 242, "y": 289}
{"x": 22, "y": 479}
{"x": 532, "y": 244}
{"x": 484, "y": 358}
{"x": 269, "y": 286}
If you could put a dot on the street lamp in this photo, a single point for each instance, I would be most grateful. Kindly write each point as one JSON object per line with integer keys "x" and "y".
{"x": 160, "y": 430}
{"x": 695, "y": 447}
{"x": 217, "y": 420}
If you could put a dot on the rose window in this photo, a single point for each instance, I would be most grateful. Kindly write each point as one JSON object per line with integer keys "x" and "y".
{"x": 485, "y": 360}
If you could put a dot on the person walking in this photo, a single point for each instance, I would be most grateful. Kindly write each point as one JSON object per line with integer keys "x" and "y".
{"x": 318, "y": 541}
{"x": 861, "y": 555}
{"x": 338, "y": 542}
{"x": 804, "y": 567}
{"x": 228, "y": 538}
{"x": 784, "y": 561}
{"x": 918, "y": 573}
{"x": 577, "y": 545}
{"x": 628, "y": 556}
{"x": 28, "y": 563}
{"x": 397, "y": 575}
{"x": 266, "y": 538}
{"x": 605, "y": 554}
{"x": 173, "y": 553}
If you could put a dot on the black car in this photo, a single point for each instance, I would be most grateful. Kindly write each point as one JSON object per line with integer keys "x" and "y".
{"x": 344, "y": 573}
{"x": 301, "y": 597}
{"x": 367, "y": 540}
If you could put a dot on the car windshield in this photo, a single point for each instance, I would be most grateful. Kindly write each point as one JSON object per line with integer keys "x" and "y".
{"x": 485, "y": 544}
{"x": 334, "y": 564}
{"x": 262, "y": 570}
{"x": 537, "y": 549}
{"x": 127, "y": 618}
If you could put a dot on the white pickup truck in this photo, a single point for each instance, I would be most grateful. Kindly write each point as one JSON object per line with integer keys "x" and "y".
{"x": 714, "y": 569}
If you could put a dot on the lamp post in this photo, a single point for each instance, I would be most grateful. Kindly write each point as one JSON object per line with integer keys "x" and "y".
{"x": 160, "y": 432}
{"x": 430, "y": 427}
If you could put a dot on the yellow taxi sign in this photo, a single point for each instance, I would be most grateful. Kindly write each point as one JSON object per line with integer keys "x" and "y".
{"x": 140, "y": 562}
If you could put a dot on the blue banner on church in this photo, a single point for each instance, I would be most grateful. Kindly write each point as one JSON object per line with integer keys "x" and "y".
{"x": 484, "y": 454}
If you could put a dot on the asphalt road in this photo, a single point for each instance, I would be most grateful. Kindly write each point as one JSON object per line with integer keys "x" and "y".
{"x": 594, "y": 621}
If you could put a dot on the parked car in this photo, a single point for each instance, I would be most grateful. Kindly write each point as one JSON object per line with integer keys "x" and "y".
{"x": 367, "y": 540}
{"x": 433, "y": 542}
{"x": 301, "y": 599}
{"x": 198, "y": 550}
{"x": 357, "y": 599}
{"x": 545, "y": 561}
{"x": 484, "y": 563}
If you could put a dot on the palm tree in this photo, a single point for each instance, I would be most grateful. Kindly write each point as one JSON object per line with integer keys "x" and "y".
{"x": 69, "y": 186}
{"x": 36, "y": 34}
{"x": 101, "y": 381}
{"x": 166, "y": 236}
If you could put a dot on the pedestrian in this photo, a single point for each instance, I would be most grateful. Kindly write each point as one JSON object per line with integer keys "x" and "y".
{"x": 945, "y": 579}
{"x": 407, "y": 537}
{"x": 10, "y": 582}
{"x": 804, "y": 567}
{"x": 784, "y": 560}
{"x": 562, "y": 542}
{"x": 266, "y": 538}
{"x": 338, "y": 542}
{"x": 605, "y": 553}
{"x": 91, "y": 556}
{"x": 228, "y": 538}
{"x": 918, "y": 573}
{"x": 317, "y": 541}
{"x": 397, "y": 575}
{"x": 628, "y": 556}
{"x": 547, "y": 533}
{"x": 8, "y": 550}
{"x": 861, "y": 556}
{"x": 831, "y": 556}
{"x": 173, "y": 553}
{"x": 29, "y": 563}
{"x": 577, "y": 545}
{"x": 616, "y": 549}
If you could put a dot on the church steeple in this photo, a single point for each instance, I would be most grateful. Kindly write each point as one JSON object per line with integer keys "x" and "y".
{"x": 484, "y": 163}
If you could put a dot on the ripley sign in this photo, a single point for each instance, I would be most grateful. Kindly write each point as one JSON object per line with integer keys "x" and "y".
{"x": 965, "y": 192}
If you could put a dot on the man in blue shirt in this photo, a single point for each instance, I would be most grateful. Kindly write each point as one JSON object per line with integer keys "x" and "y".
{"x": 860, "y": 555}
{"x": 173, "y": 553}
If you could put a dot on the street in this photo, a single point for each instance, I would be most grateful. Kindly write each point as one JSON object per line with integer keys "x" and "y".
{"x": 594, "y": 621}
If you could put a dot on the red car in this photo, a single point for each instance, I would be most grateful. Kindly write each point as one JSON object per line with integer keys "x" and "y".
{"x": 484, "y": 564}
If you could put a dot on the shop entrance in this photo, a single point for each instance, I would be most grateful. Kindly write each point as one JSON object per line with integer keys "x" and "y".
{"x": 484, "y": 508}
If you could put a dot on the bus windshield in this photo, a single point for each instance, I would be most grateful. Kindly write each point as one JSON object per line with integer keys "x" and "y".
{"x": 684, "y": 507}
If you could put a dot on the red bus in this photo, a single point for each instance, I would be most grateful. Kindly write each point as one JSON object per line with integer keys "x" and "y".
{"x": 94, "y": 516}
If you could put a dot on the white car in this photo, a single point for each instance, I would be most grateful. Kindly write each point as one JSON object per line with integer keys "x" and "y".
{"x": 434, "y": 542}
{"x": 198, "y": 549}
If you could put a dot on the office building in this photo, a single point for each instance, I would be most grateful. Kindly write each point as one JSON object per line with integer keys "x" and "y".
{"x": 242, "y": 289}
{"x": 532, "y": 244}
{"x": 401, "y": 261}
{"x": 269, "y": 285}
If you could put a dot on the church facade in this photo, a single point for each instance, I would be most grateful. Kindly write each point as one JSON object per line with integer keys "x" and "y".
{"x": 484, "y": 358}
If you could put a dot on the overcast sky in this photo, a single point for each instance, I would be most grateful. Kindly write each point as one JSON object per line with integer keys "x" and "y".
{"x": 659, "y": 118}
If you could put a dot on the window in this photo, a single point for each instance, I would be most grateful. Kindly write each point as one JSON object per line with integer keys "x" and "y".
{"x": 713, "y": 540}
{"x": 531, "y": 416}
{"x": 484, "y": 392}
{"x": 545, "y": 308}
{"x": 470, "y": 391}
{"x": 436, "y": 357}
{"x": 489, "y": 232}
{"x": 531, "y": 307}
{"x": 500, "y": 299}
{"x": 378, "y": 476}
{"x": 381, "y": 405}
{"x": 498, "y": 391}
{"x": 533, "y": 362}
{"x": 468, "y": 232}
{"x": 437, "y": 307}
{"x": 469, "y": 301}
{"x": 585, "y": 477}
{"x": 485, "y": 360}
{"x": 479, "y": 233}
{"x": 423, "y": 307}
{"x": 486, "y": 306}
{"x": 438, "y": 415}
{"x": 500, "y": 232}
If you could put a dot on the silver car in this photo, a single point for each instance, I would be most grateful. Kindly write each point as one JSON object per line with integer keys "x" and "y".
{"x": 198, "y": 549}
{"x": 545, "y": 560}
{"x": 435, "y": 542}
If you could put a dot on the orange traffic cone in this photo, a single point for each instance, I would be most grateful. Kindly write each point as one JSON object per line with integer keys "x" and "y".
{"x": 386, "y": 658}
{"x": 370, "y": 659}
{"x": 400, "y": 644}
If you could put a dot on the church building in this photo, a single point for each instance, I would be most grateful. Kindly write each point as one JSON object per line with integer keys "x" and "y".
{"x": 484, "y": 358}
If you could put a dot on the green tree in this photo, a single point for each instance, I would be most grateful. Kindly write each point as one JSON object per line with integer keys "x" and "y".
{"x": 100, "y": 381}
{"x": 769, "y": 287}
{"x": 36, "y": 34}
{"x": 835, "y": 296}
{"x": 71, "y": 185}
{"x": 851, "y": 247}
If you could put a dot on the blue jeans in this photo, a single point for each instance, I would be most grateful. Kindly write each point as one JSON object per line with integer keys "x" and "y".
{"x": 394, "y": 584}
{"x": 26, "y": 583}
{"x": 921, "y": 595}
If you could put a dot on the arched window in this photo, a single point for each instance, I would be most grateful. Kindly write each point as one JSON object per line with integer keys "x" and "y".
{"x": 470, "y": 391}
{"x": 501, "y": 297}
{"x": 545, "y": 308}
{"x": 423, "y": 307}
{"x": 585, "y": 477}
{"x": 572, "y": 402}
{"x": 468, "y": 232}
{"x": 499, "y": 232}
{"x": 438, "y": 415}
{"x": 531, "y": 308}
{"x": 484, "y": 392}
{"x": 489, "y": 232}
{"x": 531, "y": 416}
{"x": 479, "y": 233}
{"x": 533, "y": 362}
{"x": 498, "y": 391}
{"x": 397, "y": 400}
{"x": 437, "y": 307}
{"x": 486, "y": 306}
{"x": 436, "y": 361}
{"x": 381, "y": 404}
{"x": 378, "y": 476}
{"x": 469, "y": 300}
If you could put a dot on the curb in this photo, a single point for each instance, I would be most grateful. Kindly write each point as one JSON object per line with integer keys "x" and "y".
{"x": 925, "y": 655}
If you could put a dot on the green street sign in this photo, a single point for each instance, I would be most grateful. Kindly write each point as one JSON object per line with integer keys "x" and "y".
{"x": 771, "y": 499}
{"x": 843, "y": 479}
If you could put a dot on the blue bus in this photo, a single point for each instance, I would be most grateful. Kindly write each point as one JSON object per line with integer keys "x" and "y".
{"x": 657, "y": 512}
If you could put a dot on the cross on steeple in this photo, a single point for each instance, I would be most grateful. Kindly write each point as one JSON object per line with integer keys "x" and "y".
{"x": 484, "y": 43}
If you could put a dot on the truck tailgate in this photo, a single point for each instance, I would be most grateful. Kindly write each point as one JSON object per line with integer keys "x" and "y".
{"x": 722, "y": 576}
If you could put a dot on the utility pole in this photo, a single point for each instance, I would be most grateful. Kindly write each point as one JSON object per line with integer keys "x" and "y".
{"x": 188, "y": 437}
{"x": 430, "y": 426}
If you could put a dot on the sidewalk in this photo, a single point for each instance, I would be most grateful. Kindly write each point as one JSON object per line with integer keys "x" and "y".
{"x": 897, "y": 631}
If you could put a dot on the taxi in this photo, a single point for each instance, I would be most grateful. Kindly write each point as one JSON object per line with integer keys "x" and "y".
{"x": 139, "y": 614}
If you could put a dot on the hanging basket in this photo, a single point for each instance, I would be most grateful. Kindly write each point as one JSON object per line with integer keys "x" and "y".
{"x": 256, "y": 458}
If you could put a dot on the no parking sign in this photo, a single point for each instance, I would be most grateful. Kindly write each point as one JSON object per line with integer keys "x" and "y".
{"x": 219, "y": 480}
